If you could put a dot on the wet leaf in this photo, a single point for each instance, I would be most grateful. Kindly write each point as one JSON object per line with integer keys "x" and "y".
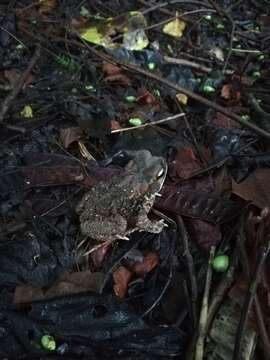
{"x": 120, "y": 79}
{"x": 229, "y": 92}
{"x": 70, "y": 135}
{"x": 100, "y": 31}
{"x": 150, "y": 261}
{"x": 110, "y": 69}
{"x": 182, "y": 98}
{"x": 121, "y": 278}
{"x": 147, "y": 99}
{"x": 204, "y": 234}
{"x": 255, "y": 188}
{"x": 175, "y": 28}
{"x": 47, "y": 6}
{"x": 197, "y": 204}
{"x": 184, "y": 164}
{"x": 135, "y": 40}
{"x": 67, "y": 284}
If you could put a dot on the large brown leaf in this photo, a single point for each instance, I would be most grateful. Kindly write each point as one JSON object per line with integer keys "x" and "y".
{"x": 255, "y": 188}
{"x": 197, "y": 204}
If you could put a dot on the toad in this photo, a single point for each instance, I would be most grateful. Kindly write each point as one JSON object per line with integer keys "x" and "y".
{"x": 117, "y": 207}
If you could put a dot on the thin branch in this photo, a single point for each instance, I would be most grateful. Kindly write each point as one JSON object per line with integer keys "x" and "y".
{"x": 13, "y": 94}
{"x": 161, "y": 121}
{"x": 199, "y": 350}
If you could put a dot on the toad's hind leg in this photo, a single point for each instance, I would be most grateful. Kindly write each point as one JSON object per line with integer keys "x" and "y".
{"x": 103, "y": 229}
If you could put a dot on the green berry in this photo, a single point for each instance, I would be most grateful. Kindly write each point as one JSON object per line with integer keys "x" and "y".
{"x": 245, "y": 117}
{"x": 130, "y": 99}
{"x": 208, "y": 17}
{"x": 151, "y": 66}
{"x": 208, "y": 89}
{"x": 135, "y": 121}
{"x": 221, "y": 263}
{"x": 48, "y": 342}
{"x": 220, "y": 26}
{"x": 90, "y": 87}
{"x": 256, "y": 74}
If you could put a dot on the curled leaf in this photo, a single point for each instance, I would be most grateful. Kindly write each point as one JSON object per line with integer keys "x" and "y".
{"x": 175, "y": 28}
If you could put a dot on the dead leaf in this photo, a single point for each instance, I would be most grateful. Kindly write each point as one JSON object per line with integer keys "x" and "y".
{"x": 121, "y": 278}
{"x": 203, "y": 233}
{"x": 47, "y": 6}
{"x": 184, "y": 164}
{"x": 67, "y": 284}
{"x": 147, "y": 99}
{"x": 175, "y": 28}
{"x": 197, "y": 204}
{"x": 110, "y": 69}
{"x": 120, "y": 79}
{"x": 229, "y": 92}
{"x": 115, "y": 125}
{"x": 255, "y": 188}
{"x": 224, "y": 121}
{"x": 99, "y": 255}
{"x": 150, "y": 261}
{"x": 70, "y": 135}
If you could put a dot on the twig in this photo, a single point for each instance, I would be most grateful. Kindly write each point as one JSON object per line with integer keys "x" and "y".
{"x": 190, "y": 267}
{"x": 180, "y": 89}
{"x": 173, "y": 117}
{"x": 12, "y": 95}
{"x": 251, "y": 293}
{"x": 188, "y": 63}
{"x": 199, "y": 350}
{"x": 221, "y": 290}
{"x": 245, "y": 264}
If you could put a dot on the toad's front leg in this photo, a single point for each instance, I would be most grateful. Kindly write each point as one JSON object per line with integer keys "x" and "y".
{"x": 145, "y": 224}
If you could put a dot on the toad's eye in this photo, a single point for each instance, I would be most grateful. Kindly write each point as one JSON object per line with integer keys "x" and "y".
{"x": 160, "y": 173}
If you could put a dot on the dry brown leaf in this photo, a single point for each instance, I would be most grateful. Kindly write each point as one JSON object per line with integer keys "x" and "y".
{"x": 184, "y": 164}
{"x": 255, "y": 188}
{"x": 147, "y": 99}
{"x": 121, "y": 278}
{"x": 150, "y": 261}
{"x": 47, "y": 6}
{"x": 70, "y": 135}
{"x": 67, "y": 284}
{"x": 110, "y": 69}
{"x": 120, "y": 79}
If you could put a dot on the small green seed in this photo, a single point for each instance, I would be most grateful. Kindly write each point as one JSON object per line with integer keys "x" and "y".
{"x": 90, "y": 87}
{"x": 157, "y": 92}
{"x": 220, "y": 26}
{"x": 261, "y": 57}
{"x": 221, "y": 263}
{"x": 208, "y": 89}
{"x": 151, "y": 66}
{"x": 48, "y": 342}
{"x": 135, "y": 121}
{"x": 208, "y": 17}
{"x": 131, "y": 99}
{"x": 245, "y": 118}
{"x": 256, "y": 74}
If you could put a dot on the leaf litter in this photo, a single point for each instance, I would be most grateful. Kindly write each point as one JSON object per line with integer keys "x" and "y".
{"x": 85, "y": 87}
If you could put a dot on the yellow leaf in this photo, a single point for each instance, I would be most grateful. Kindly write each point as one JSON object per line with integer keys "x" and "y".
{"x": 93, "y": 35}
{"x": 101, "y": 31}
{"x": 27, "y": 112}
{"x": 182, "y": 98}
{"x": 135, "y": 40}
{"x": 175, "y": 28}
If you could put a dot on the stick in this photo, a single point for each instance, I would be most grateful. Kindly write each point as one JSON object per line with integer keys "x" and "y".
{"x": 13, "y": 94}
{"x": 199, "y": 351}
